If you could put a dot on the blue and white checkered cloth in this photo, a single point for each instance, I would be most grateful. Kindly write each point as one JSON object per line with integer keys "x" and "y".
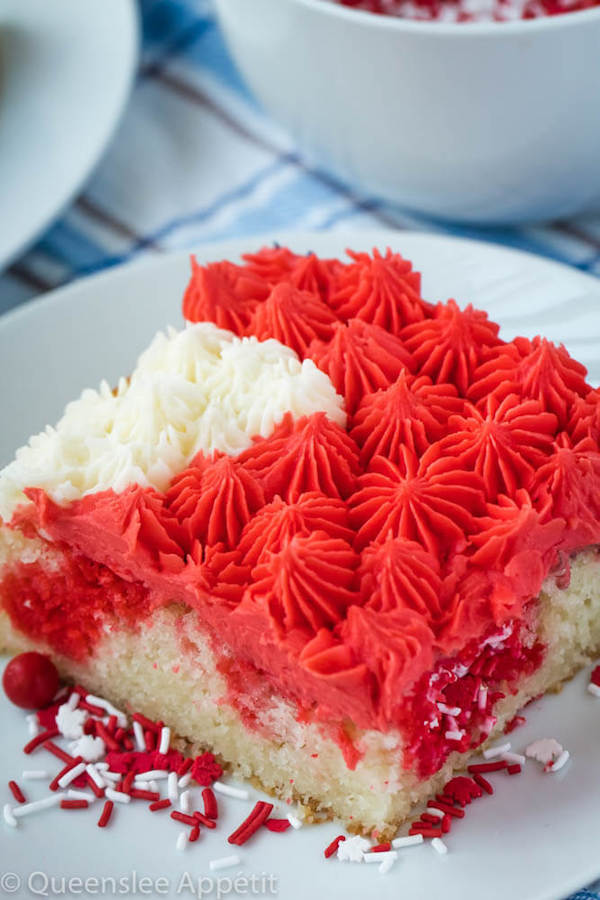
{"x": 195, "y": 159}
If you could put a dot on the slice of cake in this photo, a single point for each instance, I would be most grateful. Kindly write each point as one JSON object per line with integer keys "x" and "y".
{"x": 332, "y": 532}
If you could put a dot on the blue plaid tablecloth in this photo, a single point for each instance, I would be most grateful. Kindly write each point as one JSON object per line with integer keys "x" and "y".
{"x": 195, "y": 159}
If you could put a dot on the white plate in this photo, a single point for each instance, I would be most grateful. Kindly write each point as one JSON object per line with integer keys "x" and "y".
{"x": 65, "y": 72}
{"x": 537, "y": 838}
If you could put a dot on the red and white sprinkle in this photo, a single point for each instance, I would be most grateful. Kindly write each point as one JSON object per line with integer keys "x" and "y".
{"x": 497, "y": 750}
{"x": 110, "y": 709}
{"x": 95, "y": 775}
{"x": 594, "y": 689}
{"x": 439, "y": 846}
{"x": 224, "y": 862}
{"x": 544, "y": 750}
{"x": 514, "y": 758}
{"x": 449, "y": 710}
{"x": 228, "y": 791}
{"x": 433, "y": 811}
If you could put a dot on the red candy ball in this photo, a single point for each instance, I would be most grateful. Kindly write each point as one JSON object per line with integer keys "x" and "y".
{"x": 30, "y": 680}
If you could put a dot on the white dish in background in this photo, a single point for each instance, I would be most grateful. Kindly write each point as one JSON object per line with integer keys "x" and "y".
{"x": 66, "y": 69}
{"x": 476, "y": 122}
{"x": 537, "y": 838}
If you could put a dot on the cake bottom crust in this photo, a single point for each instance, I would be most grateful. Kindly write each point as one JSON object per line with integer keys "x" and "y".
{"x": 167, "y": 670}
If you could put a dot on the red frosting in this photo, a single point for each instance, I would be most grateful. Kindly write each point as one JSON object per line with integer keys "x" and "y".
{"x": 449, "y": 346}
{"x": 307, "y": 585}
{"x": 213, "y": 500}
{"x": 411, "y": 412}
{"x": 340, "y": 570}
{"x": 294, "y": 317}
{"x": 504, "y": 443}
{"x": 224, "y": 294}
{"x": 359, "y": 359}
{"x": 433, "y": 505}
{"x": 382, "y": 290}
{"x": 311, "y": 454}
{"x": 536, "y": 370}
{"x": 274, "y": 526}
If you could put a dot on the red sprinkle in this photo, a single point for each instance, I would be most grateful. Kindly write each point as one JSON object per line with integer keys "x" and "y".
{"x": 74, "y": 804}
{"x": 98, "y": 791}
{"x": 58, "y": 752}
{"x": 515, "y": 722}
{"x": 182, "y": 817}
{"x": 150, "y": 741}
{"x": 108, "y": 739}
{"x": 194, "y": 834}
{"x": 211, "y": 808}
{"x": 185, "y": 766}
{"x": 106, "y": 814}
{"x": 35, "y": 742}
{"x": 332, "y": 848}
{"x": 17, "y": 792}
{"x": 89, "y": 707}
{"x": 446, "y": 823}
{"x": 425, "y": 830}
{"x": 514, "y": 769}
{"x": 128, "y": 783}
{"x": 147, "y": 724}
{"x": 487, "y": 767}
{"x": 111, "y": 725}
{"x": 139, "y": 794}
{"x": 277, "y": 825}
{"x": 431, "y": 820}
{"x": 483, "y": 783}
{"x": 204, "y": 820}
{"x": 159, "y": 804}
{"x": 595, "y": 676}
{"x": 381, "y": 848}
{"x": 447, "y": 808}
{"x": 251, "y": 824}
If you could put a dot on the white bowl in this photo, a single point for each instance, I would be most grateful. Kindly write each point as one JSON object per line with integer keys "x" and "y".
{"x": 481, "y": 122}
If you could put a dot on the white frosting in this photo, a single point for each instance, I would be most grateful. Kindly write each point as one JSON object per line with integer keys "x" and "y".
{"x": 197, "y": 389}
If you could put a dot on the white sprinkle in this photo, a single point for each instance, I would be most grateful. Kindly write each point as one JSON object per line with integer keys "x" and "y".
{"x": 454, "y": 735}
{"x": 81, "y": 795}
{"x": 95, "y": 775}
{"x": 229, "y": 791}
{"x": 165, "y": 740}
{"x": 514, "y": 758}
{"x": 439, "y": 846}
{"x": 34, "y": 775}
{"x": 8, "y": 816}
{"x": 294, "y": 821}
{"x": 594, "y": 689}
{"x": 92, "y": 749}
{"x": 386, "y": 865}
{"x": 353, "y": 849}
{"x": 110, "y": 709}
{"x": 560, "y": 762}
{"x": 544, "y": 750}
{"x": 73, "y": 701}
{"x": 111, "y": 776}
{"x": 71, "y": 775}
{"x": 70, "y": 722}
{"x": 224, "y": 862}
{"x": 380, "y": 857}
{"x": 33, "y": 725}
{"x": 117, "y": 796}
{"x": 185, "y": 801}
{"x": 449, "y": 710}
{"x": 102, "y": 766}
{"x": 435, "y": 812}
{"x": 497, "y": 750}
{"x": 185, "y": 780}
{"x": 410, "y": 840}
{"x": 172, "y": 791}
{"x": 182, "y": 841}
{"x": 152, "y": 775}
{"x": 28, "y": 808}
{"x": 152, "y": 786}
{"x": 482, "y": 697}
{"x": 138, "y": 733}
